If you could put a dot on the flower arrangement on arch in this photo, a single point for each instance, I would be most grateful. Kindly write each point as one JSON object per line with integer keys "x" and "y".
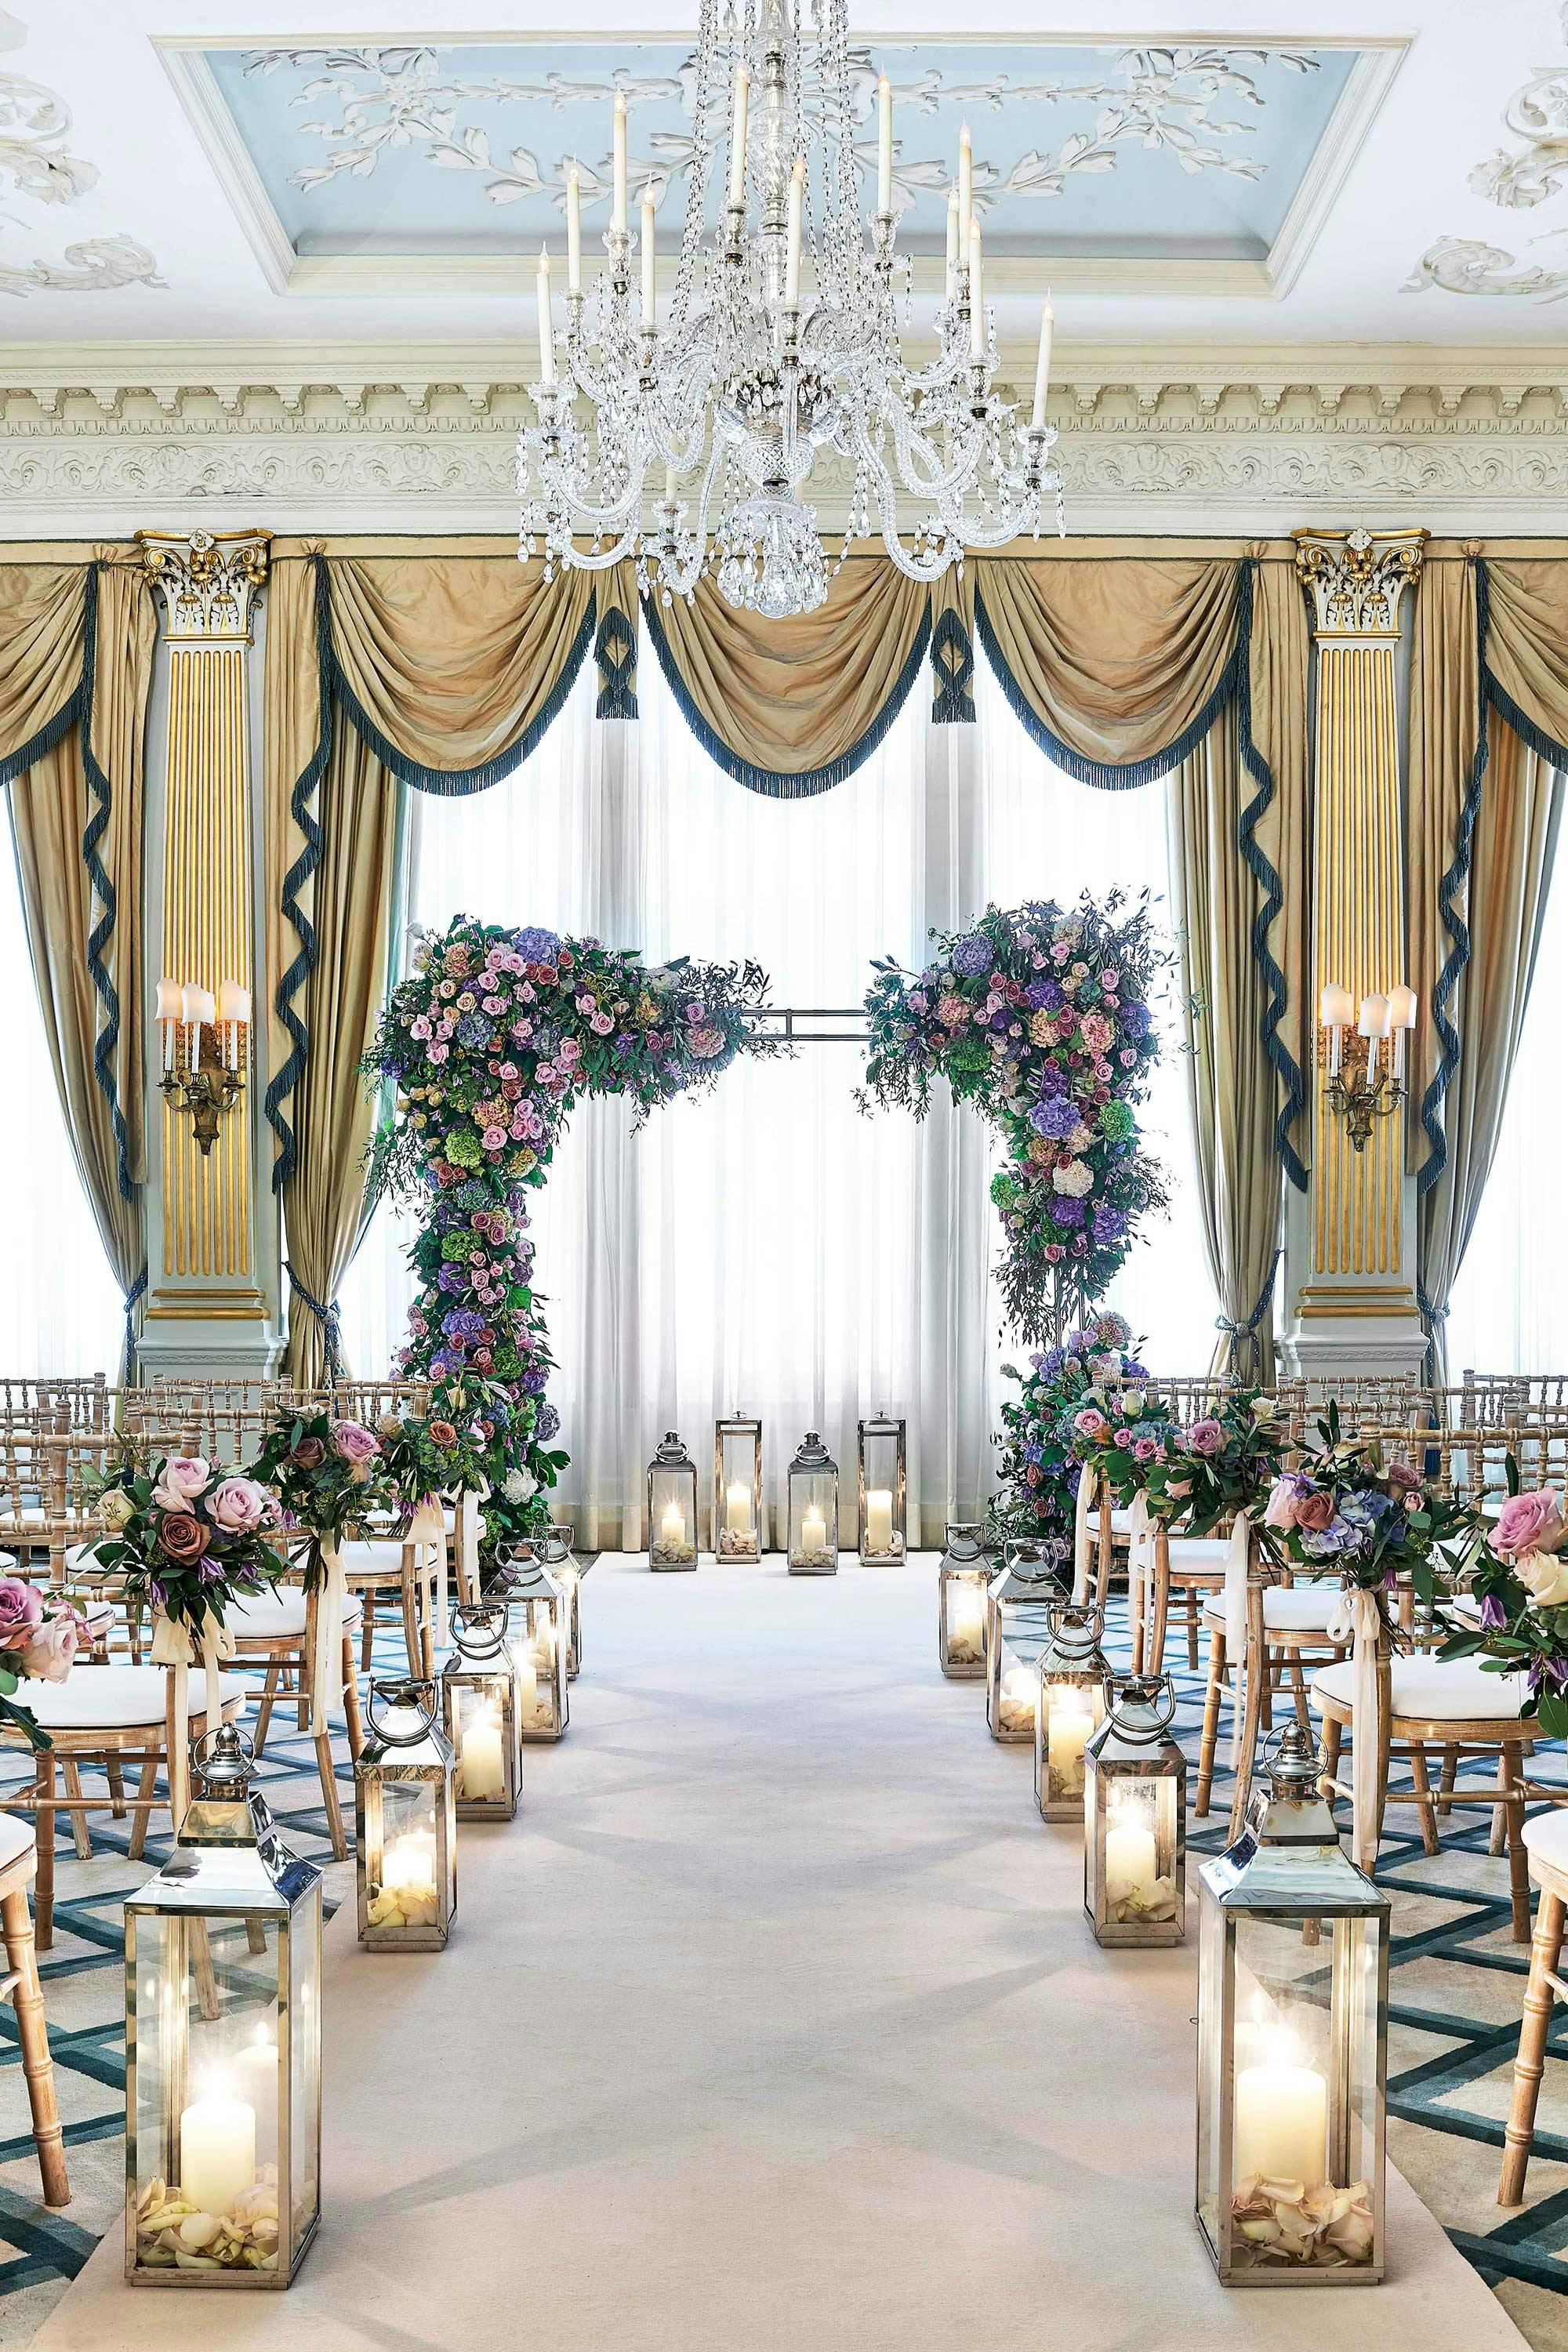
{"x": 187, "y": 1535}
{"x": 40, "y": 1633}
{"x": 491, "y": 1042}
{"x": 1040, "y": 1017}
{"x": 1039, "y": 1466}
{"x": 1518, "y": 1575}
{"x": 329, "y": 1477}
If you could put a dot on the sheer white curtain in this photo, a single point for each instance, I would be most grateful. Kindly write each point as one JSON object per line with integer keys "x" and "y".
{"x": 59, "y": 1304}
{"x": 1508, "y": 1311}
{"x": 769, "y": 1247}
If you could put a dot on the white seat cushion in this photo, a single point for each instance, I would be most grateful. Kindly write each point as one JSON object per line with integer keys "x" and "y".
{"x": 17, "y": 1838}
{"x": 1546, "y": 1837}
{"x": 117, "y": 1699}
{"x": 1436, "y": 1690}
{"x": 8, "y": 1563}
{"x": 1288, "y": 1609}
{"x": 278, "y": 1616}
{"x": 1199, "y": 1555}
{"x": 377, "y": 1560}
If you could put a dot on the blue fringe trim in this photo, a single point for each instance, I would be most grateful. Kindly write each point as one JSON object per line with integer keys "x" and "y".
{"x": 304, "y": 865}
{"x": 104, "y": 930}
{"x": 1533, "y": 737}
{"x": 1454, "y": 922}
{"x": 952, "y": 672}
{"x": 615, "y": 657}
{"x": 774, "y": 784}
{"x": 51, "y": 732}
{"x": 1286, "y": 1067}
{"x": 1106, "y": 776}
{"x": 455, "y": 784}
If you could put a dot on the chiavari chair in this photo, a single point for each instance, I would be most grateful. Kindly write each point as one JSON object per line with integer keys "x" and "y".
{"x": 19, "y": 1868}
{"x": 225, "y": 1421}
{"x": 81, "y": 1401}
{"x": 1517, "y": 1398}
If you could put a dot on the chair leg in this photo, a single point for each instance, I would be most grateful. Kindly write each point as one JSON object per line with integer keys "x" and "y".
{"x": 1211, "y": 1727}
{"x": 1530, "y": 2064}
{"x": 265, "y": 1704}
{"x": 1424, "y": 1791}
{"x": 350, "y": 1699}
{"x": 1299, "y": 1692}
{"x": 1154, "y": 1663}
{"x": 1518, "y": 1860}
{"x": 201, "y": 1969}
{"x": 79, "y": 1836}
{"x": 323, "y": 1745}
{"x": 139, "y": 1827}
{"x": 1256, "y": 1668}
{"x": 1333, "y": 1741}
{"x": 44, "y": 1897}
{"x": 411, "y": 1639}
{"x": 115, "y": 1787}
{"x": 1446, "y": 1780}
{"x": 27, "y": 2000}
{"x": 367, "y": 1633}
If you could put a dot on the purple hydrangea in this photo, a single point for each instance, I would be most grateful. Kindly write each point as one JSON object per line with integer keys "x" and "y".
{"x": 1066, "y": 1211}
{"x": 548, "y": 1424}
{"x": 1053, "y": 1080}
{"x": 1109, "y": 1224}
{"x": 1044, "y": 996}
{"x": 536, "y": 946}
{"x": 474, "y": 1029}
{"x": 973, "y": 956}
{"x": 1056, "y": 1117}
{"x": 1134, "y": 1018}
{"x": 535, "y": 1381}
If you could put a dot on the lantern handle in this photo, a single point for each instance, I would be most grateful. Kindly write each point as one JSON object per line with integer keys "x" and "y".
{"x": 478, "y": 1627}
{"x": 1158, "y": 1691}
{"x": 403, "y": 1691}
{"x": 223, "y": 1759}
{"x": 1077, "y": 1615}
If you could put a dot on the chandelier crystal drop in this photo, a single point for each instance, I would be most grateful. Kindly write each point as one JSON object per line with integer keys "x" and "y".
{"x": 781, "y": 341}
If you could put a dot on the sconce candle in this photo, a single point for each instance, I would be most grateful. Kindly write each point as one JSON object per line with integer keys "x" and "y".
{"x": 1362, "y": 1092}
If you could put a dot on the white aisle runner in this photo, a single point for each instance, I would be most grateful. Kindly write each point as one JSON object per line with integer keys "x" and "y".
{"x": 772, "y": 2025}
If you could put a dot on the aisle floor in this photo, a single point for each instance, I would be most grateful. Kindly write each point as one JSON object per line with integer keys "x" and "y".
{"x": 772, "y": 2022}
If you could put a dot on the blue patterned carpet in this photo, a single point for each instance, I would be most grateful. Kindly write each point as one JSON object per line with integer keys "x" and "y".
{"x": 1459, "y": 1982}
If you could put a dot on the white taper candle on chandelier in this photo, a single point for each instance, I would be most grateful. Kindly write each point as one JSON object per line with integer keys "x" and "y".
{"x": 1373, "y": 1024}
{"x": 1336, "y": 1011}
{"x": 671, "y": 486}
{"x": 619, "y": 196}
{"x": 792, "y": 251}
{"x": 1401, "y": 1021}
{"x": 884, "y": 144}
{"x": 649, "y": 262}
{"x": 965, "y": 189}
{"x": 233, "y": 1012}
{"x": 976, "y": 297}
{"x": 573, "y": 231}
{"x": 741, "y": 102}
{"x": 1043, "y": 365}
{"x": 191, "y": 1011}
{"x": 169, "y": 1009}
{"x": 952, "y": 243}
{"x": 546, "y": 331}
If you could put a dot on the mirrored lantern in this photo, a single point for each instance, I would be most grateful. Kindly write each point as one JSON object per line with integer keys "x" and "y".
{"x": 961, "y": 1580}
{"x": 486, "y": 1691}
{"x": 1135, "y": 1817}
{"x": 812, "y": 1516}
{"x": 1292, "y": 2044}
{"x": 738, "y": 1488}
{"x": 222, "y": 2044}
{"x": 562, "y": 1561}
{"x": 1069, "y": 1706}
{"x": 541, "y": 1636}
{"x": 1019, "y": 1603}
{"x": 883, "y": 1492}
{"x": 671, "y": 1506}
{"x": 406, "y": 1821}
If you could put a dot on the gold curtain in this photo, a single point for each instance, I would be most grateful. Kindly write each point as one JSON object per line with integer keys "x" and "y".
{"x": 77, "y": 814}
{"x": 1486, "y": 808}
{"x": 42, "y": 608}
{"x": 790, "y": 708}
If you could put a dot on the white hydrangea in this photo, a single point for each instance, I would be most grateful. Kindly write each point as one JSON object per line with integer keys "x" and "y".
{"x": 1074, "y": 1177}
{"x": 519, "y": 1487}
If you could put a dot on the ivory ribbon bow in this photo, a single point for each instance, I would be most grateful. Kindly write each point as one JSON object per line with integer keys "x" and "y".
{"x": 1237, "y": 1570}
{"x": 1358, "y": 1620}
{"x": 173, "y": 1646}
{"x": 331, "y": 1599}
{"x": 1087, "y": 1484}
{"x": 428, "y": 1527}
{"x": 1140, "y": 1545}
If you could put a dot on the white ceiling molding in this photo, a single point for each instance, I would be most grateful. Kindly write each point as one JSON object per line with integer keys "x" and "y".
{"x": 36, "y": 167}
{"x": 99, "y": 439}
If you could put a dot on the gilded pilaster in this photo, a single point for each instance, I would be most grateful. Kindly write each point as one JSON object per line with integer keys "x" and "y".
{"x": 1348, "y": 1258}
{"x": 208, "y": 1243}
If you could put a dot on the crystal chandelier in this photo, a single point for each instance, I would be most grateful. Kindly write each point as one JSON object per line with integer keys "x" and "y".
{"x": 780, "y": 339}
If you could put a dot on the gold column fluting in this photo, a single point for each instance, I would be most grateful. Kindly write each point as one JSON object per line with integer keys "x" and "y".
{"x": 1354, "y": 581}
{"x": 207, "y": 584}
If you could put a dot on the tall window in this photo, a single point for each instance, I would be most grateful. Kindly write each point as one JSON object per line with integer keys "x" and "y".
{"x": 59, "y": 1306}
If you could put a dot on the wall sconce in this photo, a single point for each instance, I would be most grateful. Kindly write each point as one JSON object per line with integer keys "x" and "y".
{"x": 205, "y": 1045}
{"x": 1367, "y": 1085}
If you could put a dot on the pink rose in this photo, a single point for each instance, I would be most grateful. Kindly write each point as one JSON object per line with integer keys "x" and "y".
{"x": 1089, "y": 1422}
{"x": 1313, "y": 1512}
{"x": 493, "y": 1138}
{"x": 1144, "y": 1449}
{"x": 1121, "y": 1437}
{"x": 184, "y": 1476}
{"x": 48, "y": 1656}
{"x": 1400, "y": 1475}
{"x": 1204, "y": 1437}
{"x": 1179, "y": 1487}
{"x": 354, "y": 1442}
{"x": 1528, "y": 1523}
{"x": 1284, "y": 1497}
{"x": 21, "y": 1613}
{"x": 240, "y": 1505}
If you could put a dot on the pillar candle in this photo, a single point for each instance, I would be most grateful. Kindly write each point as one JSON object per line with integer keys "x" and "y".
{"x": 527, "y": 1687}
{"x": 738, "y": 1509}
{"x": 813, "y": 1531}
{"x": 484, "y": 1772}
{"x": 1020, "y": 1688}
{"x": 966, "y": 1616}
{"x": 1068, "y": 1726}
{"x": 1281, "y": 2120}
{"x": 1132, "y": 1862}
{"x": 256, "y": 2072}
{"x": 217, "y": 2152}
{"x": 672, "y": 1529}
{"x": 878, "y": 1535}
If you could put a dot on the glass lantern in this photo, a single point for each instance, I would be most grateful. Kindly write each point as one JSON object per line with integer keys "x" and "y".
{"x": 961, "y": 1584}
{"x": 562, "y": 1561}
{"x": 671, "y": 1506}
{"x": 543, "y": 1640}
{"x": 1135, "y": 1817}
{"x": 1019, "y": 1604}
{"x": 1069, "y": 1706}
{"x": 485, "y": 1694}
{"x": 406, "y": 1821}
{"x": 222, "y": 2044}
{"x": 1292, "y": 2044}
{"x": 879, "y": 1446}
{"x": 812, "y": 1518}
{"x": 738, "y": 1488}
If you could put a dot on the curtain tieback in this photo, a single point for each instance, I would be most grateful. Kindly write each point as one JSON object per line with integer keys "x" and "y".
{"x": 134, "y": 1297}
{"x": 330, "y": 1321}
{"x": 1429, "y": 1314}
{"x": 1240, "y": 1332}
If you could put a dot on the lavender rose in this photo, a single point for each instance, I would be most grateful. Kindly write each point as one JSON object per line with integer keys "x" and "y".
{"x": 21, "y": 1613}
{"x": 354, "y": 1441}
{"x": 240, "y": 1505}
{"x": 183, "y": 1476}
{"x": 1205, "y": 1437}
{"x": 1528, "y": 1523}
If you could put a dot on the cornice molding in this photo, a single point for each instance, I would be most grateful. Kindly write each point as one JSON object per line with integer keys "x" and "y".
{"x": 96, "y": 439}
